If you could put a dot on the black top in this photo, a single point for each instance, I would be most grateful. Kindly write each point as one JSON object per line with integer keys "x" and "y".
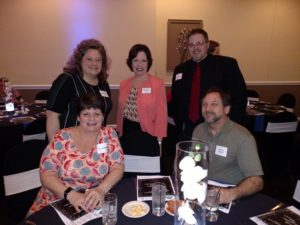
{"x": 64, "y": 92}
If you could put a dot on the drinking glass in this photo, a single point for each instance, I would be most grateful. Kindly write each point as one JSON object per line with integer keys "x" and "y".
{"x": 158, "y": 199}
{"x": 212, "y": 204}
{"x": 109, "y": 209}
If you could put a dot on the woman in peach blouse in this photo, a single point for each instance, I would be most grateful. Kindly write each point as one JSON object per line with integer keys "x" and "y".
{"x": 142, "y": 109}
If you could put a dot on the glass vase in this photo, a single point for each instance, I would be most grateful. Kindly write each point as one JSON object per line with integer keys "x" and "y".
{"x": 191, "y": 170}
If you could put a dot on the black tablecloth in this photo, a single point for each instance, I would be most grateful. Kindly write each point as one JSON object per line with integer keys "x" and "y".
{"x": 240, "y": 212}
{"x": 11, "y": 133}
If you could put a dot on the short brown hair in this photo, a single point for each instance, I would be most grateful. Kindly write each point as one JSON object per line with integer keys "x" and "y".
{"x": 133, "y": 53}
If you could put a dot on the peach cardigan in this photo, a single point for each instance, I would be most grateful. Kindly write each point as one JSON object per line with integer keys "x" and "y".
{"x": 151, "y": 106}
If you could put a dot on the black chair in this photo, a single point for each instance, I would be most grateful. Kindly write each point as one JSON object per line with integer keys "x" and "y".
{"x": 288, "y": 101}
{"x": 278, "y": 144}
{"x": 42, "y": 97}
{"x": 252, "y": 95}
{"x": 36, "y": 130}
{"x": 21, "y": 178}
{"x": 277, "y": 154}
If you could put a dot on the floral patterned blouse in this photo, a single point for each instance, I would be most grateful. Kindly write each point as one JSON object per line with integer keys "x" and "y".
{"x": 74, "y": 168}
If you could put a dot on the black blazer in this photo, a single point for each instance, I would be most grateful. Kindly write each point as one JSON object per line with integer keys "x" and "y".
{"x": 216, "y": 71}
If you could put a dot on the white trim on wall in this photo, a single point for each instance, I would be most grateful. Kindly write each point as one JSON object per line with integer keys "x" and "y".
{"x": 167, "y": 84}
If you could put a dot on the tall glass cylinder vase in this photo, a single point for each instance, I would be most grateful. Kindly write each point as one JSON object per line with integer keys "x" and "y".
{"x": 191, "y": 169}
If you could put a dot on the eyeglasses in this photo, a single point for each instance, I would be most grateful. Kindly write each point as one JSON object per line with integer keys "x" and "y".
{"x": 196, "y": 44}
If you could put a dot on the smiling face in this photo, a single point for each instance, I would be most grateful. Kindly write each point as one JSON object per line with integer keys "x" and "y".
{"x": 198, "y": 47}
{"x": 91, "y": 63}
{"x": 213, "y": 109}
{"x": 90, "y": 119}
{"x": 140, "y": 64}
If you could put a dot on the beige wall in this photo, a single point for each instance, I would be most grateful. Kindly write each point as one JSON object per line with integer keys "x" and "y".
{"x": 37, "y": 37}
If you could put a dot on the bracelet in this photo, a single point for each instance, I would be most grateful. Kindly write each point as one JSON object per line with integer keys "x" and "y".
{"x": 67, "y": 191}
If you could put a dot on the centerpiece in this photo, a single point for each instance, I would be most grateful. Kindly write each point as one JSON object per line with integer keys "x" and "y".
{"x": 191, "y": 170}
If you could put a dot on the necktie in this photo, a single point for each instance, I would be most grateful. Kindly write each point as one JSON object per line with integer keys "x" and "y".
{"x": 194, "y": 98}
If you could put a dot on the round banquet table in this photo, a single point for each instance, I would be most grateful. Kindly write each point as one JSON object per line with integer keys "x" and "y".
{"x": 240, "y": 212}
{"x": 12, "y": 125}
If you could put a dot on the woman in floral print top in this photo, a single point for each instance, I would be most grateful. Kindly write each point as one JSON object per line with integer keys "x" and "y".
{"x": 86, "y": 157}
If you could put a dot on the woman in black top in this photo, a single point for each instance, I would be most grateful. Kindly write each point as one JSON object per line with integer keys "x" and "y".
{"x": 86, "y": 71}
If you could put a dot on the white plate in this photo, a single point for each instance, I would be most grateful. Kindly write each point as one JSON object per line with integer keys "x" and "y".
{"x": 135, "y": 209}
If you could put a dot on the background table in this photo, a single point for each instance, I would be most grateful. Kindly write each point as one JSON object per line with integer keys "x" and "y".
{"x": 258, "y": 115}
{"x": 240, "y": 212}
{"x": 11, "y": 133}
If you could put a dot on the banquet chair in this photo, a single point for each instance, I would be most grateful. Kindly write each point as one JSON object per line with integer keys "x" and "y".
{"x": 42, "y": 97}
{"x": 277, "y": 151}
{"x": 36, "y": 130}
{"x": 288, "y": 101}
{"x": 252, "y": 95}
{"x": 21, "y": 178}
{"x": 142, "y": 164}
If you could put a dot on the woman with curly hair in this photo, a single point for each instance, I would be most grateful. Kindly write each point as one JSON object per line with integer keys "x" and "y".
{"x": 85, "y": 72}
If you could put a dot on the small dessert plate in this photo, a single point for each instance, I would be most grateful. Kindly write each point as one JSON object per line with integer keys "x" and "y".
{"x": 135, "y": 209}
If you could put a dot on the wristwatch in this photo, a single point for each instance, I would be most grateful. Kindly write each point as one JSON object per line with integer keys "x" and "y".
{"x": 67, "y": 191}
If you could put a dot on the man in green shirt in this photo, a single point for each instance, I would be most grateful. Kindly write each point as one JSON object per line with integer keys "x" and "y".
{"x": 233, "y": 153}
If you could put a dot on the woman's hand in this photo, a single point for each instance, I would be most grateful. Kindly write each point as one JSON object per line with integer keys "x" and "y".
{"x": 93, "y": 199}
{"x": 77, "y": 200}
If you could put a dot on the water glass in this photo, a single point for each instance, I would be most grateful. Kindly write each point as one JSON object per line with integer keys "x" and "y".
{"x": 212, "y": 204}
{"x": 158, "y": 199}
{"x": 109, "y": 209}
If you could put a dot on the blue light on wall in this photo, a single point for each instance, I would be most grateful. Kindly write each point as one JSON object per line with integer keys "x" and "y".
{"x": 82, "y": 22}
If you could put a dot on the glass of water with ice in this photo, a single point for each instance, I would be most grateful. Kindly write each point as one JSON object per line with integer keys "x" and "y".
{"x": 109, "y": 209}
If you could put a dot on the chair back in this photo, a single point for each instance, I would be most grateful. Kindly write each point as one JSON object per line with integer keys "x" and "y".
{"x": 36, "y": 130}
{"x": 288, "y": 101}
{"x": 142, "y": 164}
{"x": 21, "y": 177}
{"x": 252, "y": 95}
{"x": 42, "y": 97}
{"x": 277, "y": 145}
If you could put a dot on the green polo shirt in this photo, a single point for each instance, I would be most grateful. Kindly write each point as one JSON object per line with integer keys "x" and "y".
{"x": 232, "y": 154}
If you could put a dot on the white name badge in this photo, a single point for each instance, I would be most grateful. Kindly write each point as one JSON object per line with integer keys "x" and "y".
{"x": 178, "y": 76}
{"x": 104, "y": 94}
{"x": 221, "y": 150}
{"x": 102, "y": 148}
{"x": 146, "y": 90}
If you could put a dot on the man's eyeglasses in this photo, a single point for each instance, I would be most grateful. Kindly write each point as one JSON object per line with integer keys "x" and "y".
{"x": 196, "y": 44}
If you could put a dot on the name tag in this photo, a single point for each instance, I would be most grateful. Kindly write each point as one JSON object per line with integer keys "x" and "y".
{"x": 178, "y": 76}
{"x": 102, "y": 148}
{"x": 221, "y": 150}
{"x": 104, "y": 94}
{"x": 146, "y": 90}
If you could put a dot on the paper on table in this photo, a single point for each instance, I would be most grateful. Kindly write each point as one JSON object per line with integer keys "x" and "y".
{"x": 290, "y": 215}
{"x": 144, "y": 186}
{"x": 82, "y": 220}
